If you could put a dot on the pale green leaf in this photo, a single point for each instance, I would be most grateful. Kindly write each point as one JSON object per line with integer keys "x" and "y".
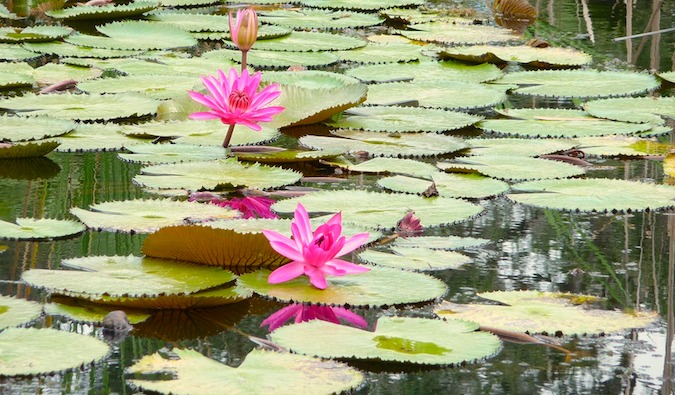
{"x": 39, "y": 228}
{"x": 426, "y": 71}
{"x": 155, "y": 86}
{"x": 63, "y": 49}
{"x": 454, "y": 33}
{"x": 22, "y": 129}
{"x": 519, "y": 146}
{"x": 371, "y": 5}
{"x": 472, "y": 186}
{"x": 415, "y": 259}
{"x": 307, "y": 41}
{"x": 135, "y": 35}
{"x": 307, "y": 19}
{"x": 511, "y": 167}
{"x": 382, "y": 53}
{"x": 16, "y": 312}
{"x": 35, "y": 33}
{"x": 546, "y": 57}
{"x": 633, "y": 109}
{"x": 149, "y": 153}
{"x": 27, "y": 149}
{"x": 95, "y": 137}
{"x": 113, "y": 10}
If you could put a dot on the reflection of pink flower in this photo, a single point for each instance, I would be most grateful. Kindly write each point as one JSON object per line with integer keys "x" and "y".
{"x": 244, "y": 29}
{"x": 250, "y": 206}
{"x": 304, "y": 313}
{"x": 314, "y": 253}
{"x": 235, "y": 99}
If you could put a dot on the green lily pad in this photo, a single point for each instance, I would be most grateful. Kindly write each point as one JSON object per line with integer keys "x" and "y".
{"x": 27, "y": 149}
{"x": 306, "y": 19}
{"x": 188, "y": 3}
{"x": 215, "y": 174}
{"x": 394, "y": 119}
{"x": 147, "y": 216}
{"x": 39, "y": 228}
{"x": 16, "y": 312}
{"x": 440, "y": 242}
{"x": 155, "y": 86}
{"x": 89, "y": 312}
{"x": 135, "y": 35}
{"x": 668, "y": 76}
{"x": 410, "y": 167}
{"x": 261, "y": 371}
{"x": 377, "y": 287}
{"x": 170, "y": 153}
{"x": 382, "y": 53}
{"x": 211, "y": 246}
{"x": 622, "y": 146}
{"x": 519, "y": 146}
{"x": 307, "y": 41}
{"x": 164, "y": 65}
{"x": 371, "y": 5}
{"x": 415, "y": 259}
{"x": 109, "y": 11}
{"x": 15, "y": 80}
{"x": 436, "y": 94}
{"x": 545, "y": 312}
{"x": 633, "y": 109}
{"x": 454, "y": 33}
{"x": 5, "y": 13}
{"x": 426, "y": 71}
{"x": 63, "y": 49}
{"x": 95, "y": 137}
{"x": 393, "y": 145}
{"x": 82, "y": 107}
{"x": 35, "y": 33}
{"x": 395, "y": 339}
{"x": 594, "y": 195}
{"x": 580, "y": 83}
{"x": 547, "y": 57}
{"x": 30, "y": 351}
{"x": 192, "y": 22}
{"x": 52, "y": 73}
{"x": 23, "y": 129}
{"x": 312, "y": 79}
{"x": 117, "y": 276}
{"x": 278, "y": 59}
{"x": 510, "y": 167}
{"x": 471, "y": 186}
{"x": 288, "y": 156}
{"x": 382, "y": 210}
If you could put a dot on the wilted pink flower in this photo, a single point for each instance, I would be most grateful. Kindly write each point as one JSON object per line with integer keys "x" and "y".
{"x": 235, "y": 99}
{"x": 314, "y": 253}
{"x": 409, "y": 226}
{"x": 250, "y": 206}
{"x": 244, "y": 29}
{"x": 304, "y": 313}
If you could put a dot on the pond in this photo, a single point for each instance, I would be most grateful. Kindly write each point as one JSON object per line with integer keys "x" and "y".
{"x": 625, "y": 256}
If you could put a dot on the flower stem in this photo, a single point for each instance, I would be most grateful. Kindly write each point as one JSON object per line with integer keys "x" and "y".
{"x": 243, "y": 60}
{"x": 228, "y": 137}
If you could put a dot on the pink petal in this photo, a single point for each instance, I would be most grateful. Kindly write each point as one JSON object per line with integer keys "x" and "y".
{"x": 303, "y": 229}
{"x": 283, "y": 245}
{"x": 286, "y": 272}
{"x": 347, "y": 267}
{"x": 316, "y": 277}
{"x": 353, "y": 243}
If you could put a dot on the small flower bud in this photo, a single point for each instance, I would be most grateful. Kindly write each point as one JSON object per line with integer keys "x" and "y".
{"x": 244, "y": 29}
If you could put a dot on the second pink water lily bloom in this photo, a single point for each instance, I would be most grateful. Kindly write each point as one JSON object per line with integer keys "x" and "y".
{"x": 244, "y": 28}
{"x": 314, "y": 253}
{"x": 234, "y": 99}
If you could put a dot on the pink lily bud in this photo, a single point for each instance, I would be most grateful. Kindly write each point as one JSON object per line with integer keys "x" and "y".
{"x": 244, "y": 30}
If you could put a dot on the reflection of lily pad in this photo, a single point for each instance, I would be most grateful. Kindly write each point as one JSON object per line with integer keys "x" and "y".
{"x": 415, "y": 259}
{"x": 261, "y": 372}
{"x": 398, "y": 339}
{"x": 377, "y": 287}
{"x": 15, "y": 312}
{"x": 59, "y": 350}
{"x": 36, "y": 229}
{"x": 537, "y": 312}
{"x": 29, "y": 168}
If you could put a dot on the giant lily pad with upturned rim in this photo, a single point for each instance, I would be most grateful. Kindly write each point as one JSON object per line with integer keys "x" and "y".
{"x": 410, "y": 167}
{"x": 30, "y": 149}
{"x": 155, "y": 86}
{"x": 148, "y": 153}
{"x": 35, "y": 33}
{"x": 371, "y": 5}
{"x": 519, "y": 146}
{"x": 63, "y": 49}
{"x": 548, "y": 57}
{"x": 95, "y": 137}
{"x": 382, "y": 53}
{"x": 113, "y": 10}
{"x": 307, "y": 19}
{"x": 279, "y": 59}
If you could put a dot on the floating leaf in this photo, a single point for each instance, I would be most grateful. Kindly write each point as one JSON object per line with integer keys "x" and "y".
{"x": 149, "y": 153}
{"x": 403, "y": 119}
{"x": 147, "y": 216}
{"x": 113, "y": 10}
{"x": 5, "y": 13}
{"x": 164, "y": 65}
{"x": 580, "y": 83}
{"x": 509, "y": 167}
{"x": 307, "y": 41}
{"x": 210, "y": 246}
{"x": 371, "y": 5}
{"x": 396, "y": 339}
{"x": 544, "y": 312}
{"x": 415, "y": 259}
{"x": 454, "y": 33}
{"x": 426, "y": 71}
{"x": 63, "y": 49}
{"x": 547, "y": 57}
{"x": 116, "y": 276}
{"x": 35, "y": 33}
{"x": 95, "y": 137}
{"x": 52, "y": 73}
{"x": 188, "y": 3}
{"x": 382, "y": 53}
{"x": 391, "y": 165}
{"x": 471, "y": 186}
{"x": 307, "y": 19}
{"x": 39, "y": 228}
{"x": 15, "y": 80}
{"x": 519, "y": 146}
{"x": 215, "y": 174}
{"x": 261, "y": 371}
{"x": 11, "y": 52}
{"x": 288, "y": 156}
{"x": 436, "y": 94}
{"x": 369, "y": 208}
{"x": 668, "y": 76}
{"x": 135, "y": 35}
{"x": 312, "y": 79}
{"x": 80, "y": 311}
{"x": 278, "y": 59}
{"x": 81, "y": 107}
{"x": 594, "y": 195}
{"x": 155, "y": 86}
{"x": 192, "y": 22}
{"x": 21, "y": 129}
{"x": 27, "y": 150}
{"x": 58, "y": 350}
{"x": 440, "y": 242}
{"x": 377, "y": 287}
{"x": 622, "y": 146}
{"x": 16, "y": 312}
{"x": 633, "y": 109}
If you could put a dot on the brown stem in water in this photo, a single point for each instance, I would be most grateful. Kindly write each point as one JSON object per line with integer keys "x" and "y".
{"x": 228, "y": 137}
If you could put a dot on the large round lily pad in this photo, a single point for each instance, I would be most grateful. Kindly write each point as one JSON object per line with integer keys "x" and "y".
{"x": 135, "y": 35}
{"x": 633, "y": 109}
{"x": 15, "y": 312}
{"x": 548, "y": 57}
{"x": 472, "y": 186}
{"x": 308, "y": 41}
{"x": 382, "y": 53}
{"x": 113, "y": 10}
{"x": 371, "y": 5}
{"x": 440, "y": 242}
{"x": 307, "y": 19}
{"x": 415, "y": 259}
{"x": 513, "y": 167}
{"x": 377, "y": 287}
{"x": 519, "y": 146}
{"x": 21, "y": 129}
{"x": 426, "y": 71}
{"x": 393, "y": 119}
{"x": 35, "y": 33}
{"x": 395, "y": 339}
{"x": 39, "y": 228}
{"x": 454, "y": 33}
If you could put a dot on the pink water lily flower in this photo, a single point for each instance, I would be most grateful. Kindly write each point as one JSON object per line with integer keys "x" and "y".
{"x": 234, "y": 99}
{"x": 303, "y": 313}
{"x": 314, "y": 253}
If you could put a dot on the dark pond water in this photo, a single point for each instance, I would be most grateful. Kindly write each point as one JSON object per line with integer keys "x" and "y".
{"x": 625, "y": 257}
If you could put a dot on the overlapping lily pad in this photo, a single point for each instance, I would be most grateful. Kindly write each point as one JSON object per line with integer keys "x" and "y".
{"x": 288, "y": 156}
{"x": 360, "y": 5}
{"x": 21, "y": 129}
{"x": 580, "y": 83}
{"x": 308, "y": 41}
{"x": 194, "y": 373}
{"x": 5, "y": 13}
{"x": 382, "y": 53}
{"x": 382, "y": 210}
{"x": 119, "y": 276}
{"x": 279, "y": 59}
{"x": 135, "y": 35}
{"x": 52, "y": 73}
{"x": 146, "y": 216}
{"x": 519, "y": 146}
{"x": 192, "y": 22}
{"x": 389, "y": 165}
{"x": 415, "y": 259}
{"x": 64, "y": 49}
{"x": 27, "y": 149}
{"x": 155, "y": 86}
{"x": 319, "y": 19}
{"x": 95, "y": 137}
{"x": 113, "y": 10}
{"x": 215, "y": 174}
{"x": 436, "y": 94}
{"x": 454, "y": 33}
{"x": 623, "y": 146}
{"x": 393, "y": 145}
{"x": 30, "y": 351}
{"x": 12, "y": 52}
{"x": 547, "y": 57}
{"x": 170, "y": 153}
{"x": 394, "y": 119}
{"x": 512, "y": 167}
{"x": 377, "y": 287}
{"x": 472, "y": 186}
{"x": 39, "y": 228}
{"x": 15, "y": 312}
{"x": 80, "y": 311}
{"x": 633, "y": 109}
{"x": 594, "y": 195}
{"x": 35, "y": 33}
{"x": 426, "y": 71}
{"x": 545, "y": 312}
{"x": 395, "y": 339}
{"x": 82, "y": 107}
{"x": 668, "y": 76}
{"x": 15, "y": 80}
